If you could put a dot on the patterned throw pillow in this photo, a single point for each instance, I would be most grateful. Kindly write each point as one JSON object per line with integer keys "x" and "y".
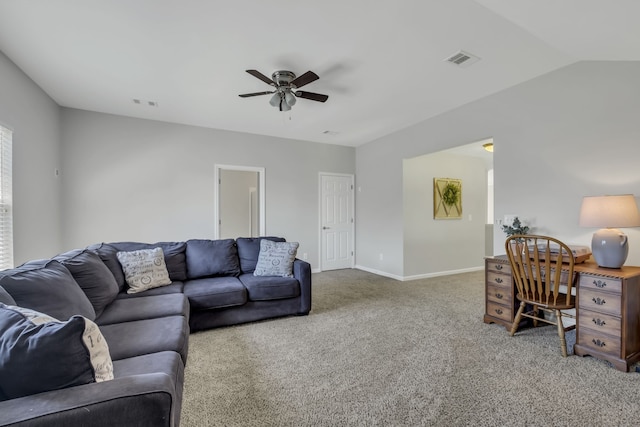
{"x": 39, "y": 353}
{"x": 144, "y": 269}
{"x": 276, "y": 258}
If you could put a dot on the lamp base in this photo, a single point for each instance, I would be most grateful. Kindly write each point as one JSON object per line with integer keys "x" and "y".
{"x": 609, "y": 247}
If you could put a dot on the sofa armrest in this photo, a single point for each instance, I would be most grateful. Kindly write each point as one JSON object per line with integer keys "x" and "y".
{"x": 302, "y": 272}
{"x": 140, "y": 400}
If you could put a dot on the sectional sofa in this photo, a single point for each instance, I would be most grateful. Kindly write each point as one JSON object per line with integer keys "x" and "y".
{"x": 99, "y": 336}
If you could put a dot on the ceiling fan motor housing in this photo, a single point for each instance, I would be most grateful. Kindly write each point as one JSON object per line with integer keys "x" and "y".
{"x": 283, "y": 78}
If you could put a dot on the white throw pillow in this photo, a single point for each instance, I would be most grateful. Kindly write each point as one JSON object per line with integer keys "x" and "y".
{"x": 144, "y": 269}
{"x": 276, "y": 258}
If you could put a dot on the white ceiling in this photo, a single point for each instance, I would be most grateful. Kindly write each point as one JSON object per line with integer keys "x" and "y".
{"x": 380, "y": 61}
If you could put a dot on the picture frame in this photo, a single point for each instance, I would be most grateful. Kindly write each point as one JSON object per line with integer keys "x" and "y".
{"x": 447, "y": 198}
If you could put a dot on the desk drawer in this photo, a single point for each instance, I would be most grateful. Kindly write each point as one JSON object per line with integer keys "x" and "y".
{"x": 499, "y": 294}
{"x": 602, "y": 302}
{"x": 600, "y": 283}
{"x": 500, "y": 311}
{"x": 600, "y": 322}
{"x": 498, "y": 267}
{"x": 599, "y": 341}
{"x": 497, "y": 279}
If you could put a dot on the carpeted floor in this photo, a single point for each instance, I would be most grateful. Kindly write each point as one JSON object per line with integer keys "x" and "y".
{"x": 378, "y": 352}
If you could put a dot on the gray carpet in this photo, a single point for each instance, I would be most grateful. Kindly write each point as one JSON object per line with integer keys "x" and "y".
{"x": 378, "y": 352}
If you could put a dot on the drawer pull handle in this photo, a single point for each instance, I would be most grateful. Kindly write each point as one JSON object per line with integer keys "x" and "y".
{"x": 600, "y": 284}
{"x": 499, "y": 311}
{"x": 599, "y": 322}
{"x": 498, "y": 267}
{"x": 598, "y": 342}
{"x": 598, "y": 301}
{"x": 499, "y": 296}
{"x": 498, "y": 280}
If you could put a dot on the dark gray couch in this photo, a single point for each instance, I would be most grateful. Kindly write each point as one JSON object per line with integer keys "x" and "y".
{"x": 212, "y": 284}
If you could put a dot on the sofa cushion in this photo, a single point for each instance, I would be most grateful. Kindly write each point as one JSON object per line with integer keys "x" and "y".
{"x": 149, "y": 307}
{"x": 269, "y": 288}
{"x": 215, "y": 292}
{"x": 38, "y": 353}
{"x": 276, "y": 258}
{"x": 208, "y": 258}
{"x": 174, "y": 255}
{"x": 48, "y": 288}
{"x": 144, "y": 269}
{"x": 173, "y": 288}
{"x": 92, "y": 275}
{"x": 107, "y": 254}
{"x": 6, "y": 298}
{"x": 249, "y": 249}
{"x": 130, "y": 339}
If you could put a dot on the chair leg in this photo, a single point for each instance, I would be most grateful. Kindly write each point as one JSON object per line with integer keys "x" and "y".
{"x": 516, "y": 321}
{"x": 563, "y": 341}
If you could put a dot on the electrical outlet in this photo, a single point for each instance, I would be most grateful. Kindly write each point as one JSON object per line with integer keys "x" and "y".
{"x": 381, "y": 257}
{"x": 305, "y": 256}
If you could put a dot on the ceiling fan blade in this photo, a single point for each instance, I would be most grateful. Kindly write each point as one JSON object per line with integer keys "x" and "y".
{"x": 304, "y": 79}
{"x": 312, "y": 96}
{"x": 258, "y": 74}
{"x": 246, "y": 95}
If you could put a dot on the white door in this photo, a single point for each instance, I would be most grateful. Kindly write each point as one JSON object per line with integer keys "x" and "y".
{"x": 337, "y": 221}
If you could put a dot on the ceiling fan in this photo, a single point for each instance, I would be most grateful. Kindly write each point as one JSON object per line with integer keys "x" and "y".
{"x": 286, "y": 84}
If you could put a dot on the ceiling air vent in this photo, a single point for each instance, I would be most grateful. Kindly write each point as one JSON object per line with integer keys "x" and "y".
{"x": 462, "y": 59}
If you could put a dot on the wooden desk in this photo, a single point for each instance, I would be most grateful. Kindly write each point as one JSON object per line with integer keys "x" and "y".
{"x": 607, "y": 308}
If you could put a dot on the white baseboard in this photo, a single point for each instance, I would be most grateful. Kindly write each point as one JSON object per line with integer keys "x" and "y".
{"x": 418, "y": 276}
{"x": 443, "y": 273}
{"x": 378, "y": 272}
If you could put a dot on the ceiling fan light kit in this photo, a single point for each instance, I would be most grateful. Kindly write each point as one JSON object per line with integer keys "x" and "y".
{"x": 285, "y": 83}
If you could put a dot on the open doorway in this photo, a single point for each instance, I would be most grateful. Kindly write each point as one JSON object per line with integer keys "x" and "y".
{"x": 433, "y": 243}
{"x": 482, "y": 150}
{"x": 239, "y": 202}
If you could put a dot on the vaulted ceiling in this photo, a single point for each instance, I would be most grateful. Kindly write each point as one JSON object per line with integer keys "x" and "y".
{"x": 382, "y": 62}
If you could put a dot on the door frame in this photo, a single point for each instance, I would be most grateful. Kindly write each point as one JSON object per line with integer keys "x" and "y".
{"x": 353, "y": 212}
{"x": 261, "y": 196}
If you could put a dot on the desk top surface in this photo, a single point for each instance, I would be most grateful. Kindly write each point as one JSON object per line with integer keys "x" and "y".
{"x": 590, "y": 267}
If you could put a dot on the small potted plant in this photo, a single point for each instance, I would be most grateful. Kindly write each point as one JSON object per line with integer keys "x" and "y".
{"x": 517, "y": 227}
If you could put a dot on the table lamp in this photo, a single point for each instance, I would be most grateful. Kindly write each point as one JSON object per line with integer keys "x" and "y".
{"x": 609, "y": 245}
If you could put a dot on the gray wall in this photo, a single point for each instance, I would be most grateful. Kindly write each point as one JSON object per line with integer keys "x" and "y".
{"x": 559, "y": 137}
{"x": 134, "y": 179}
{"x": 34, "y": 119}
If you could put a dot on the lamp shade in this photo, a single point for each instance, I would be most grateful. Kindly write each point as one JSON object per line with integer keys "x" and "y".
{"x": 609, "y": 212}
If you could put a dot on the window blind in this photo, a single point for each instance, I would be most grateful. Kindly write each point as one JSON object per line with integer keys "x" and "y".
{"x": 6, "y": 206}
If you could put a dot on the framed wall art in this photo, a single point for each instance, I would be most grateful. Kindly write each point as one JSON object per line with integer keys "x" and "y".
{"x": 447, "y": 198}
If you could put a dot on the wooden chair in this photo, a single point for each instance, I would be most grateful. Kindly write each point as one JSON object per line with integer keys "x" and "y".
{"x": 542, "y": 268}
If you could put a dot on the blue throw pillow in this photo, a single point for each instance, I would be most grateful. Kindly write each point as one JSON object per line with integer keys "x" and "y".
{"x": 208, "y": 258}
{"x": 39, "y": 353}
